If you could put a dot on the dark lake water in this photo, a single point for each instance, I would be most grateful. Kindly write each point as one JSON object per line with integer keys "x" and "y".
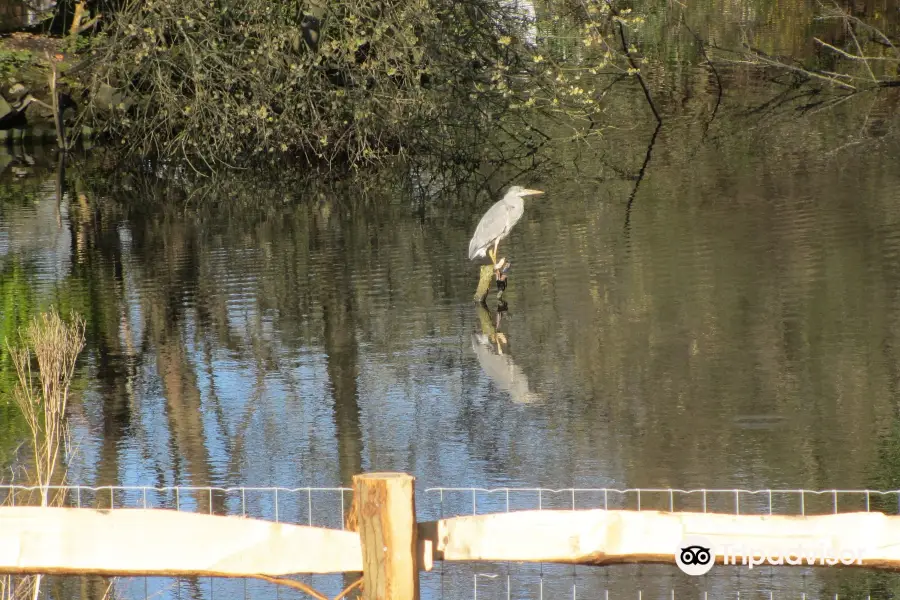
{"x": 740, "y": 332}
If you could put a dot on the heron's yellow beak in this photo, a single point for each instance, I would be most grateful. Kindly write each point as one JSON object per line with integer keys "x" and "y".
{"x": 532, "y": 192}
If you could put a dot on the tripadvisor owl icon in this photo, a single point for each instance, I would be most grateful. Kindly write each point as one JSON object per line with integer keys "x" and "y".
{"x": 695, "y": 555}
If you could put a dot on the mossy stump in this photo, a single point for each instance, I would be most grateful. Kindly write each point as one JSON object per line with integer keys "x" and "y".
{"x": 484, "y": 282}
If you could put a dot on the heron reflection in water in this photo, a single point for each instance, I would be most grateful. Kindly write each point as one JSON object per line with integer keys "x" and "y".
{"x": 496, "y": 225}
{"x": 491, "y": 348}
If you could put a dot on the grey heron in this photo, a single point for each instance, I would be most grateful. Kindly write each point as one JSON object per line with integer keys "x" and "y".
{"x": 497, "y": 222}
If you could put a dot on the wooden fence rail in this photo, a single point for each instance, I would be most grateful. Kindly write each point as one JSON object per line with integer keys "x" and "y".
{"x": 386, "y": 544}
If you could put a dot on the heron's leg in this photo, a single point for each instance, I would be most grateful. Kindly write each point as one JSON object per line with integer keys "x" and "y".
{"x": 496, "y": 244}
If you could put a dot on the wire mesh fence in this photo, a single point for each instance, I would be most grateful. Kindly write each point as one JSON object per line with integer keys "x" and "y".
{"x": 459, "y": 501}
{"x": 328, "y": 507}
{"x": 319, "y": 507}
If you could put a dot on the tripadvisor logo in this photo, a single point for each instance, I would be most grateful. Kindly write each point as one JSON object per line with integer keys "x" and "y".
{"x": 696, "y": 555}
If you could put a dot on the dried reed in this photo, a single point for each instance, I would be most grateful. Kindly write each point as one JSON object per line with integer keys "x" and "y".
{"x": 42, "y": 397}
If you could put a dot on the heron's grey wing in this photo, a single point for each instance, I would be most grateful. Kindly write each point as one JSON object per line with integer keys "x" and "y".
{"x": 515, "y": 209}
{"x": 473, "y": 246}
{"x": 492, "y": 224}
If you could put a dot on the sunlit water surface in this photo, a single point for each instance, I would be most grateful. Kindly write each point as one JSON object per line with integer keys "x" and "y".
{"x": 739, "y": 333}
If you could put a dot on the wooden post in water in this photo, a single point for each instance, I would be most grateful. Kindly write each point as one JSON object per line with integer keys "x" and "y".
{"x": 386, "y": 518}
{"x": 484, "y": 283}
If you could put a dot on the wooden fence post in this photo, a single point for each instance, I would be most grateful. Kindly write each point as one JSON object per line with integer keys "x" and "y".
{"x": 386, "y": 518}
